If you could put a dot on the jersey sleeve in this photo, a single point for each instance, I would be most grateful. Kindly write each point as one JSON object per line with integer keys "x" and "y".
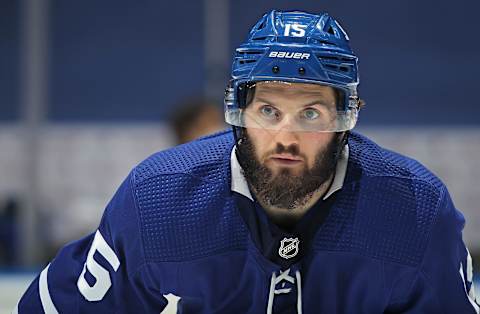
{"x": 444, "y": 281}
{"x": 101, "y": 273}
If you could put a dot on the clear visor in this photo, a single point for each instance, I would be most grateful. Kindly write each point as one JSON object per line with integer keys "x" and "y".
{"x": 305, "y": 114}
{"x": 304, "y": 121}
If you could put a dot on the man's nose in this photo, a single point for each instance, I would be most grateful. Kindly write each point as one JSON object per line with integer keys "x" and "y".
{"x": 286, "y": 134}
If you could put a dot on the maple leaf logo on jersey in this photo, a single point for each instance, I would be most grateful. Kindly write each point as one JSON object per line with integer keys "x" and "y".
{"x": 288, "y": 247}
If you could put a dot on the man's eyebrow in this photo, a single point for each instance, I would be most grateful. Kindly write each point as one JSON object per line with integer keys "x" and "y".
{"x": 323, "y": 102}
{"x": 259, "y": 98}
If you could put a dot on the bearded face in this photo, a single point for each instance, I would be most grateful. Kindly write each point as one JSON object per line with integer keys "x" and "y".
{"x": 287, "y": 183}
{"x": 284, "y": 149}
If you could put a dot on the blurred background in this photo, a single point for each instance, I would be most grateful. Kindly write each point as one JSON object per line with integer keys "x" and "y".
{"x": 90, "y": 88}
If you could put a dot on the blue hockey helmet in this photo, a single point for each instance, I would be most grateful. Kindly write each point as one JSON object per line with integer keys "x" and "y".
{"x": 296, "y": 47}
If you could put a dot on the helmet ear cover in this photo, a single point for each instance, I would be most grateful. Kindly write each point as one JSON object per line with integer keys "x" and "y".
{"x": 245, "y": 94}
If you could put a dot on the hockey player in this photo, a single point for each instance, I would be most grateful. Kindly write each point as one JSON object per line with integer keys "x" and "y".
{"x": 290, "y": 213}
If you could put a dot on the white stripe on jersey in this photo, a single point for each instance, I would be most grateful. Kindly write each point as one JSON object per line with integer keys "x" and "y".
{"x": 470, "y": 298}
{"x": 172, "y": 305}
{"x": 47, "y": 303}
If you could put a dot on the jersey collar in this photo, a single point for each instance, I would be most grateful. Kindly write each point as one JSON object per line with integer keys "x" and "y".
{"x": 239, "y": 183}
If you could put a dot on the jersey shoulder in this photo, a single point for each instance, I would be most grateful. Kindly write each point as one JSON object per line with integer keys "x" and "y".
{"x": 376, "y": 161}
{"x": 184, "y": 201}
{"x": 396, "y": 199}
{"x": 196, "y": 158}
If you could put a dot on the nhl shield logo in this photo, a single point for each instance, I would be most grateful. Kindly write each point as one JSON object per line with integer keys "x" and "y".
{"x": 288, "y": 247}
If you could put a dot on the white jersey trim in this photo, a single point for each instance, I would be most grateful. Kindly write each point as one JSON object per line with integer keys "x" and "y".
{"x": 172, "y": 304}
{"x": 239, "y": 183}
{"x": 340, "y": 173}
{"x": 471, "y": 298}
{"x": 47, "y": 303}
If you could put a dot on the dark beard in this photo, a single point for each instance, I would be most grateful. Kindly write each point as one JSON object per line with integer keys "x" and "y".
{"x": 285, "y": 190}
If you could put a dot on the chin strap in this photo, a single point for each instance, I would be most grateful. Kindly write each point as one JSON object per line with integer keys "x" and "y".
{"x": 341, "y": 146}
{"x": 239, "y": 137}
{"x": 285, "y": 276}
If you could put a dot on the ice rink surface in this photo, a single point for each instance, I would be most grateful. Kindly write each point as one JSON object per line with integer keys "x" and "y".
{"x": 12, "y": 286}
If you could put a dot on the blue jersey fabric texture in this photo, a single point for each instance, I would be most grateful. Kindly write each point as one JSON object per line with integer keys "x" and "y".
{"x": 176, "y": 239}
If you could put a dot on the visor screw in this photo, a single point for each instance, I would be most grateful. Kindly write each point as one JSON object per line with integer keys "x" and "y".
{"x": 275, "y": 69}
{"x": 301, "y": 71}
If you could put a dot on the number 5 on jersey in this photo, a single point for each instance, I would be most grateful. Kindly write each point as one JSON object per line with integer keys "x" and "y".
{"x": 101, "y": 275}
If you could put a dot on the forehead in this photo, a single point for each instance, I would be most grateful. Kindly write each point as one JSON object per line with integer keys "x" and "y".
{"x": 287, "y": 89}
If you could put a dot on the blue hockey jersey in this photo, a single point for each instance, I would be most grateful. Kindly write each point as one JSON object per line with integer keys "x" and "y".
{"x": 177, "y": 238}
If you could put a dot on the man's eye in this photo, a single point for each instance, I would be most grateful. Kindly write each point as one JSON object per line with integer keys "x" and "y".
{"x": 310, "y": 114}
{"x": 269, "y": 112}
